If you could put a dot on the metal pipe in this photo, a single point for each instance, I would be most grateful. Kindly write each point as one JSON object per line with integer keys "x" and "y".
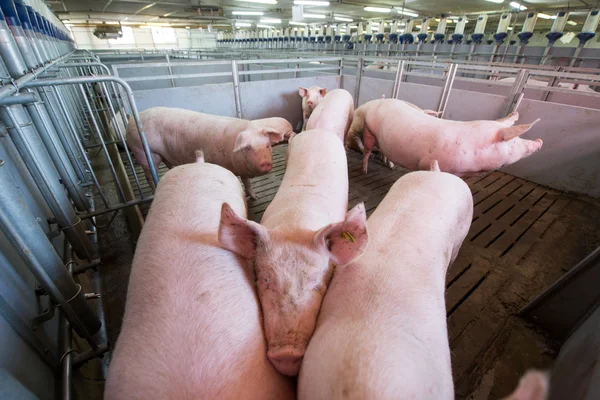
{"x": 398, "y": 79}
{"x": 99, "y": 135}
{"x": 49, "y": 136}
{"x": 359, "y": 74}
{"x": 447, "y": 89}
{"x": 66, "y": 338}
{"x": 19, "y": 99}
{"x": 130, "y": 98}
{"x": 236, "y": 89}
{"x": 38, "y": 162}
{"x": 24, "y": 233}
{"x": 59, "y": 120}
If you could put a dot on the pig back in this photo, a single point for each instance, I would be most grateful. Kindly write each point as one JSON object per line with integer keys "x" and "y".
{"x": 384, "y": 315}
{"x": 334, "y": 113}
{"x": 314, "y": 189}
{"x": 191, "y": 311}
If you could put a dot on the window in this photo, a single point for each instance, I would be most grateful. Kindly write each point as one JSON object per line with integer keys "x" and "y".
{"x": 164, "y": 35}
{"x": 127, "y": 37}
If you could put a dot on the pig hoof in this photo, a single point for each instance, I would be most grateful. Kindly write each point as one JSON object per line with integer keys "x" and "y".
{"x": 253, "y": 196}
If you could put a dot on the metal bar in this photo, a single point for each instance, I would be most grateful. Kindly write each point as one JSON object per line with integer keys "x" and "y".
{"x": 516, "y": 93}
{"x": 24, "y": 233}
{"x": 236, "y": 88}
{"x": 398, "y": 79}
{"x": 359, "y": 74}
{"x": 117, "y": 207}
{"x": 19, "y": 99}
{"x": 284, "y": 70}
{"x": 101, "y": 139}
{"x": 447, "y": 89}
{"x": 81, "y": 359}
{"x": 66, "y": 337}
{"x": 171, "y": 81}
{"x": 41, "y": 119}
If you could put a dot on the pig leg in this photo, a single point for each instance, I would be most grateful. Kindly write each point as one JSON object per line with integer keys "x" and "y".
{"x": 248, "y": 187}
{"x": 369, "y": 142}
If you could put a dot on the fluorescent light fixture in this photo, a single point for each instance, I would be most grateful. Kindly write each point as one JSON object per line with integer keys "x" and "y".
{"x": 510, "y": 28}
{"x": 344, "y": 19}
{"x": 243, "y": 24}
{"x": 146, "y": 27}
{"x": 408, "y": 13}
{"x": 418, "y": 26}
{"x": 311, "y": 3}
{"x": 187, "y": 27}
{"x": 377, "y": 9}
{"x": 313, "y": 15}
{"x": 260, "y": 1}
{"x": 572, "y": 23}
{"x": 264, "y": 26}
{"x": 270, "y": 20}
{"x": 514, "y": 4}
{"x": 496, "y": 1}
{"x": 375, "y": 28}
{"x": 247, "y": 13}
{"x": 544, "y": 16}
{"x": 298, "y": 23}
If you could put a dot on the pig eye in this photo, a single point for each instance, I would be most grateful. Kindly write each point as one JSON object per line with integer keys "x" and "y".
{"x": 247, "y": 147}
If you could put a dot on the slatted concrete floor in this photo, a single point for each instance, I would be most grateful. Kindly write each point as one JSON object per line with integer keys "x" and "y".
{"x": 523, "y": 237}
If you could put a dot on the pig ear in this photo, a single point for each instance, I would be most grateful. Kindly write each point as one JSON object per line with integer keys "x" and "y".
{"x": 302, "y": 92}
{"x": 506, "y": 134}
{"x": 274, "y": 136}
{"x": 323, "y": 91}
{"x": 533, "y": 386}
{"x": 346, "y": 240}
{"x": 238, "y": 234}
{"x": 243, "y": 140}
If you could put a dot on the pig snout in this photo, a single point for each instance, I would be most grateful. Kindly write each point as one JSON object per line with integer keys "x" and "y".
{"x": 287, "y": 360}
{"x": 266, "y": 166}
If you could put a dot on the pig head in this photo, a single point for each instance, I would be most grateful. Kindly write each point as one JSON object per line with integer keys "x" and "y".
{"x": 252, "y": 151}
{"x": 293, "y": 270}
{"x": 310, "y": 100}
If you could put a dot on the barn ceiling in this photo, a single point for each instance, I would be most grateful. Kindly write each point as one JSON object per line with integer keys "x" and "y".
{"x": 220, "y": 13}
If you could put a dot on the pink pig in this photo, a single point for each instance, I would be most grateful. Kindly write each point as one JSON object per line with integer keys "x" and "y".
{"x": 173, "y": 134}
{"x": 381, "y": 332}
{"x": 334, "y": 113}
{"x": 276, "y": 124}
{"x": 304, "y": 230}
{"x": 310, "y": 100}
{"x": 192, "y": 327}
{"x": 413, "y": 139}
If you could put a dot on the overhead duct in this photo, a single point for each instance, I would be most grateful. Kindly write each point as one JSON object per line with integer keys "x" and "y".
{"x": 106, "y": 31}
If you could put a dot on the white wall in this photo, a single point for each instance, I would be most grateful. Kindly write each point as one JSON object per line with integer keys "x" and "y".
{"x": 143, "y": 39}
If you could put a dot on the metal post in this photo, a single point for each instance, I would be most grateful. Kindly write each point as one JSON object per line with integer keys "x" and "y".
{"x": 359, "y": 74}
{"x": 236, "y": 88}
{"x": 398, "y": 79}
{"x": 447, "y": 89}
{"x": 24, "y": 233}
{"x": 171, "y": 81}
{"x": 516, "y": 93}
{"x": 65, "y": 339}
